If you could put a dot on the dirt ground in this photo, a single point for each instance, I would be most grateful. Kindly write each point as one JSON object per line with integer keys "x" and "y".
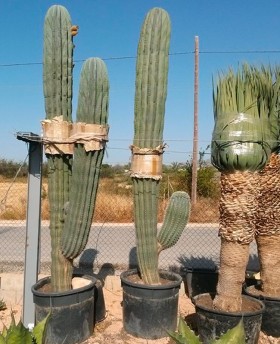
{"x": 110, "y": 330}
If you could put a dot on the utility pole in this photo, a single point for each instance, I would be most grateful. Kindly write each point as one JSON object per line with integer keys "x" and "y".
{"x": 195, "y": 123}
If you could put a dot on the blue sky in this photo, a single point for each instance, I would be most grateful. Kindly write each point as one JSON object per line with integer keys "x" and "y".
{"x": 111, "y": 28}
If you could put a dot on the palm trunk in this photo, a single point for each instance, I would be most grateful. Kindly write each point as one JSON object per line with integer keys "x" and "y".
{"x": 268, "y": 226}
{"x": 237, "y": 226}
{"x": 269, "y": 255}
{"x": 234, "y": 258}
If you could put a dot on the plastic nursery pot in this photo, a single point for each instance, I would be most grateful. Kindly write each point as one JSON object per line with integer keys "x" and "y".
{"x": 99, "y": 303}
{"x": 271, "y": 316}
{"x": 212, "y": 323}
{"x": 71, "y": 312}
{"x": 200, "y": 281}
{"x": 150, "y": 310}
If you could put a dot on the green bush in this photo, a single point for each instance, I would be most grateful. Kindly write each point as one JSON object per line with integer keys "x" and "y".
{"x": 179, "y": 177}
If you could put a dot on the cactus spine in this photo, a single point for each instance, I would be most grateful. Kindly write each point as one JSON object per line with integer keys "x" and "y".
{"x": 150, "y": 96}
{"x": 92, "y": 108}
{"x": 57, "y": 76}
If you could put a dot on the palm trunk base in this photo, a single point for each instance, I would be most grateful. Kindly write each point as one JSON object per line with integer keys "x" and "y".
{"x": 234, "y": 258}
{"x": 269, "y": 256}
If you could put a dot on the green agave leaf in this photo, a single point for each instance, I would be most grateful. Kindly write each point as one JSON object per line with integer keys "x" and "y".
{"x": 178, "y": 338}
{"x": 186, "y": 331}
{"x": 39, "y": 330}
{"x": 4, "y": 332}
{"x": 184, "y": 335}
{"x": 18, "y": 335}
{"x": 236, "y": 335}
{"x": 13, "y": 321}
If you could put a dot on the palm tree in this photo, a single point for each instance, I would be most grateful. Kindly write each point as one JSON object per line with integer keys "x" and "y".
{"x": 243, "y": 138}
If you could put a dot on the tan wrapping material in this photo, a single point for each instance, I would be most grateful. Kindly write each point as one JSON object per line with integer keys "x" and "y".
{"x": 56, "y": 133}
{"x": 92, "y": 136}
{"x": 146, "y": 162}
{"x": 60, "y": 136}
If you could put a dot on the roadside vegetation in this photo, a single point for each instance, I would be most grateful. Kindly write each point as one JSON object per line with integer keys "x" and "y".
{"x": 114, "y": 200}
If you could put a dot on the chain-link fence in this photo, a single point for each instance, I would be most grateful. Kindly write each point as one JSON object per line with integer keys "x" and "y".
{"x": 112, "y": 237}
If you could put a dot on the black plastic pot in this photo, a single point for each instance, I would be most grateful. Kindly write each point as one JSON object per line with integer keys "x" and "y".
{"x": 200, "y": 281}
{"x": 212, "y": 323}
{"x": 271, "y": 315}
{"x": 71, "y": 312}
{"x": 99, "y": 303}
{"x": 150, "y": 310}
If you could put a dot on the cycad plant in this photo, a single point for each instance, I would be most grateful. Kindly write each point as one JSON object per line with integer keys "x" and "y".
{"x": 72, "y": 183}
{"x": 148, "y": 147}
{"x": 244, "y": 136}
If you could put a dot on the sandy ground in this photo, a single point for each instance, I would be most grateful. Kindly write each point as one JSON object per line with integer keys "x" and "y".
{"x": 110, "y": 330}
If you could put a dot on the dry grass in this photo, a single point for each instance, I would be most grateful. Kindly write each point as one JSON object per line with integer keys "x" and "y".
{"x": 114, "y": 203}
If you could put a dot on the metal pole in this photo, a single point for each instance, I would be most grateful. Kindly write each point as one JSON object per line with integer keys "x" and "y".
{"x": 195, "y": 124}
{"x": 33, "y": 227}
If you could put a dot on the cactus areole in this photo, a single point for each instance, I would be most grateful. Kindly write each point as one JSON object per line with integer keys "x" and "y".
{"x": 74, "y": 150}
{"x": 148, "y": 147}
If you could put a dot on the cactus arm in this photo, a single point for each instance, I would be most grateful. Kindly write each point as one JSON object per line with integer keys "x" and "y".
{"x": 149, "y": 108}
{"x": 58, "y": 63}
{"x": 57, "y": 78}
{"x": 92, "y": 108}
{"x": 175, "y": 220}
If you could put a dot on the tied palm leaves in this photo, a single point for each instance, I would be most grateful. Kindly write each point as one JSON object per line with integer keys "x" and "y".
{"x": 246, "y": 122}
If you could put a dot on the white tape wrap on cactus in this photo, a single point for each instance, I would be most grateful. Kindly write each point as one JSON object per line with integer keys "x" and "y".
{"x": 146, "y": 162}
{"x": 60, "y": 136}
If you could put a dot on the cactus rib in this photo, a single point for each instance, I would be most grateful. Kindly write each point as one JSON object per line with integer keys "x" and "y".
{"x": 92, "y": 108}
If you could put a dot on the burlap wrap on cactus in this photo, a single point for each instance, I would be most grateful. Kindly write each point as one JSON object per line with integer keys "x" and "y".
{"x": 146, "y": 162}
{"x": 238, "y": 205}
{"x": 268, "y": 213}
{"x": 59, "y": 136}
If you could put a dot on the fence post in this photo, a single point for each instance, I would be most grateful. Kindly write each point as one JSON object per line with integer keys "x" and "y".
{"x": 33, "y": 224}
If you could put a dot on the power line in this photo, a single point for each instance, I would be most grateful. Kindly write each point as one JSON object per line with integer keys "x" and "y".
{"x": 24, "y": 64}
{"x": 241, "y": 52}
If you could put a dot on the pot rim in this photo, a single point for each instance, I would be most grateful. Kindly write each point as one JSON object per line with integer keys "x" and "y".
{"x": 45, "y": 280}
{"x": 233, "y": 314}
{"x": 260, "y": 296}
{"x": 173, "y": 283}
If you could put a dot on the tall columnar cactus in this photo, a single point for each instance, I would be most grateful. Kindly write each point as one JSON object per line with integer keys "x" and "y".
{"x": 92, "y": 108}
{"x": 57, "y": 76}
{"x": 72, "y": 190}
{"x": 147, "y": 149}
